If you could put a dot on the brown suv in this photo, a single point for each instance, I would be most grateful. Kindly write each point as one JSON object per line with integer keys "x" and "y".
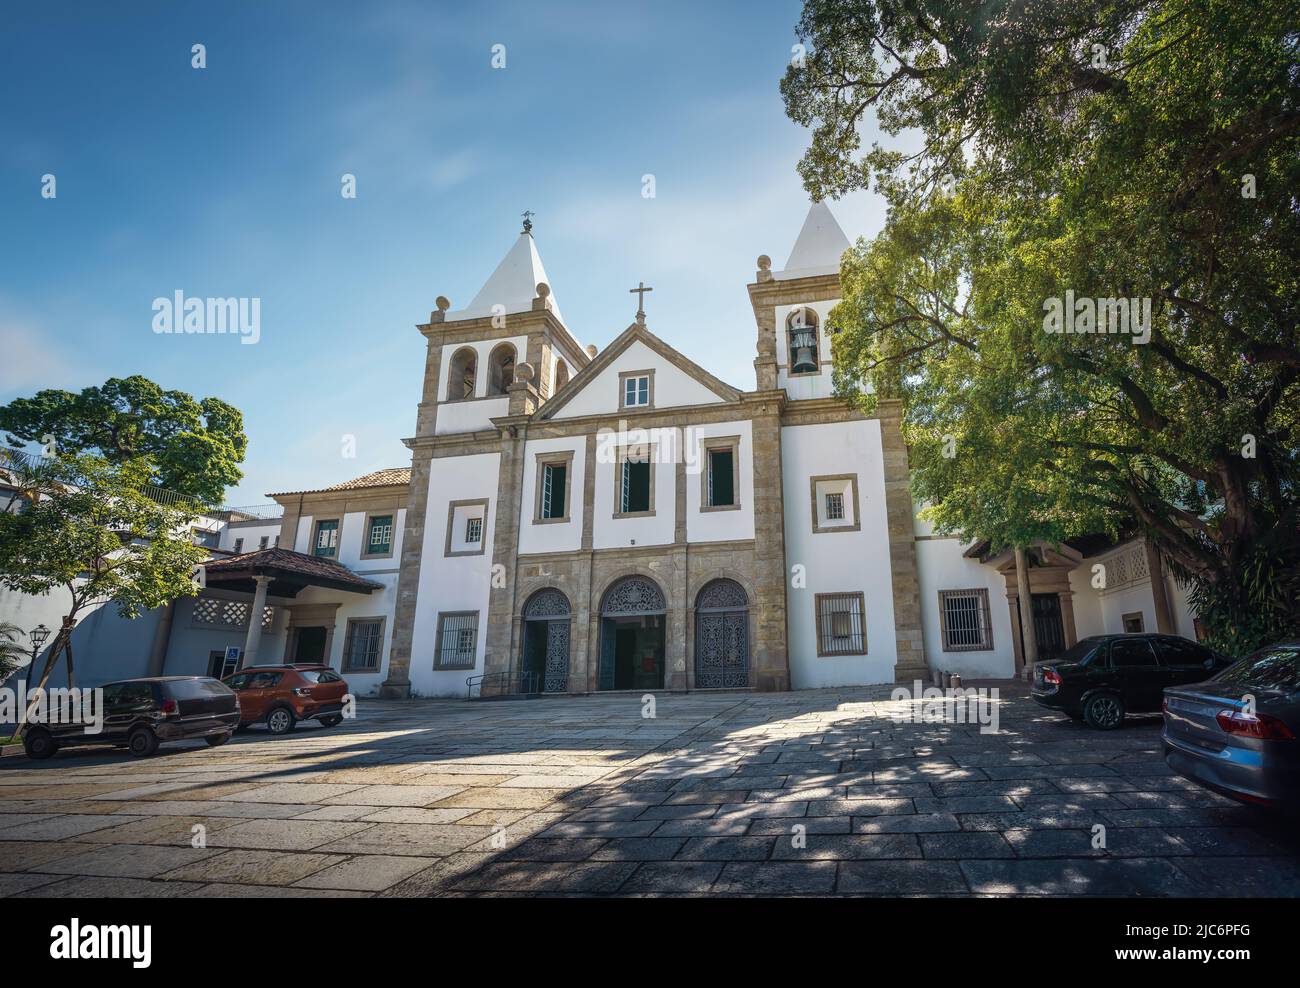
{"x": 280, "y": 696}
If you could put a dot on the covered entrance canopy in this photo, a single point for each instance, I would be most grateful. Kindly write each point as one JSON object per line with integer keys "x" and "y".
{"x": 278, "y": 572}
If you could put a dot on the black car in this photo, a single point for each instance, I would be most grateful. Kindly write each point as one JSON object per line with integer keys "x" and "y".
{"x": 142, "y": 713}
{"x": 1101, "y": 679}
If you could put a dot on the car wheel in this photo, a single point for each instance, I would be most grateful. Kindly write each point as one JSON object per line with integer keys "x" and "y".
{"x": 331, "y": 720}
{"x": 39, "y": 744}
{"x": 1104, "y": 711}
{"x": 217, "y": 740}
{"x": 142, "y": 743}
{"x": 280, "y": 720}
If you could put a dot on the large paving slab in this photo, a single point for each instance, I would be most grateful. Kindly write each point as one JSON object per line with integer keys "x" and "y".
{"x": 820, "y": 792}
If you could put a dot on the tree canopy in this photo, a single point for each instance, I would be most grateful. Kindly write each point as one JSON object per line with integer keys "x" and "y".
{"x": 1065, "y": 151}
{"x": 193, "y": 447}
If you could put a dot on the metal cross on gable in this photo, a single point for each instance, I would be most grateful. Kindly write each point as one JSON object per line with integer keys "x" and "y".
{"x": 639, "y": 291}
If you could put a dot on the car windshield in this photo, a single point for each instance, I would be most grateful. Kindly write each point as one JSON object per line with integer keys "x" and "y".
{"x": 1080, "y": 651}
{"x": 1276, "y": 668}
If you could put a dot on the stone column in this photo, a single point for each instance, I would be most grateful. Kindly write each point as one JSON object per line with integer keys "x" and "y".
{"x": 397, "y": 683}
{"x": 771, "y": 650}
{"x": 500, "y": 647}
{"x": 909, "y": 642}
{"x": 254, "y": 640}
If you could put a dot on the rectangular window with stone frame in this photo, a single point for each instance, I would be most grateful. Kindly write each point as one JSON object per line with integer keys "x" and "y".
{"x": 636, "y": 389}
{"x": 553, "y": 483}
{"x": 964, "y": 620}
{"x": 457, "y": 640}
{"x": 841, "y": 623}
{"x": 378, "y": 542}
{"x": 361, "y": 647}
{"x": 635, "y": 496}
{"x": 720, "y": 476}
{"x": 325, "y": 539}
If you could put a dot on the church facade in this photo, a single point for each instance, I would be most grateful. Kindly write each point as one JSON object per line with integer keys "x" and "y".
{"x": 583, "y": 520}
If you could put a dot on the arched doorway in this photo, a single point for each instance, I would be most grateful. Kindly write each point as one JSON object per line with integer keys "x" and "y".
{"x": 633, "y": 615}
{"x": 721, "y": 636}
{"x": 545, "y": 664}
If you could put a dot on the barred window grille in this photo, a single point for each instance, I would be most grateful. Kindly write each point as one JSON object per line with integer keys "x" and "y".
{"x": 474, "y": 530}
{"x": 835, "y": 507}
{"x": 964, "y": 615}
{"x": 457, "y": 634}
{"x": 361, "y": 650}
{"x": 841, "y": 624}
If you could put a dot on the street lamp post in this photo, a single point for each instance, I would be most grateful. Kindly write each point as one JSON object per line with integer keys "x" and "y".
{"x": 39, "y": 636}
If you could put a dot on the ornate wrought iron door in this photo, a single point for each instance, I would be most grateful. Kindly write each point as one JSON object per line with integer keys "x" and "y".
{"x": 722, "y": 636}
{"x": 556, "y": 679}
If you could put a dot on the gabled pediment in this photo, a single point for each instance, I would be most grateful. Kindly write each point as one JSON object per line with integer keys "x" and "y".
{"x": 678, "y": 380}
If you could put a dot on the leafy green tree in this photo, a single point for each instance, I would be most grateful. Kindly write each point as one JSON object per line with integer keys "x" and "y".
{"x": 1143, "y": 149}
{"x": 88, "y": 527}
{"x": 195, "y": 447}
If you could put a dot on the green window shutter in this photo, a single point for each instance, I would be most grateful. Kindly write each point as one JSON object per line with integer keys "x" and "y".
{"x": 722, "y": 488}
{"x": 380, "y": 537}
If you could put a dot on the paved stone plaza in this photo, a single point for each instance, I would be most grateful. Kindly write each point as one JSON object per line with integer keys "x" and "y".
{"x": 410, "y": 799}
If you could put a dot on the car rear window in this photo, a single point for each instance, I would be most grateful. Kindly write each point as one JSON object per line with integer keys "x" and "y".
{"x": 319, "y": 675}
{"x": 195, "y": 689}
{"x": 1080, "y": 651}
{"x": 1276, "y": 668}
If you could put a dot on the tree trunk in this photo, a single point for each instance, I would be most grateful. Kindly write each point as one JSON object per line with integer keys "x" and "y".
{"x": 1026, "y": 604}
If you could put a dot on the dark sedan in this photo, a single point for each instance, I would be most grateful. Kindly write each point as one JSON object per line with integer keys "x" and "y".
{"x": 1100, "y": 679}
{"x": 142, "y": 713}
{"x": 1236, "y": 734}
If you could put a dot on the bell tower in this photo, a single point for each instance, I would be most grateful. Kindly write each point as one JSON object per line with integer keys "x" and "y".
{"x": 792, "y": 307}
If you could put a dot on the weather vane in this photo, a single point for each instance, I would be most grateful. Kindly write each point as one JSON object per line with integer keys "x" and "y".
{"x": 528, "y": 220}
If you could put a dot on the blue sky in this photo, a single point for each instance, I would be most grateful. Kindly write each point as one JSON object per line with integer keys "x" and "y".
{"x": 225, "y": 182}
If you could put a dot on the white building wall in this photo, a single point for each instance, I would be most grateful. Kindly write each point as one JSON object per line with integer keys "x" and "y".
{"x": 552, "y": 536}
{"x": 718, "y": 526}
{"x": 252, "y": 534}
{"x": 941, "y": 566}
{"x": 672, "y": 386}
{"x": 839, "y": 561}
{"x": 452, "y": 583}
{"x": 609, "y": 532}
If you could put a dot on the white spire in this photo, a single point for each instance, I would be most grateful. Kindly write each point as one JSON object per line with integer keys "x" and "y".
{"x": 818, "y": 249}
{"x": 513, "y": 284}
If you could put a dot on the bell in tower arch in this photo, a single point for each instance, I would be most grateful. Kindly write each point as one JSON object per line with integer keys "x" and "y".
{"x": 801, "y": 329}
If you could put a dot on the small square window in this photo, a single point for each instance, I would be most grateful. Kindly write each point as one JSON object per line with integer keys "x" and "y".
{"x": 964, "y": 620}
{"x": 239, "y": 545}
{"x": 835, "y": 507}
{"x": 265, "y": 541}
{"x": 361, "y": 649}
{"x": 835, "y": 504}
{"x": 474, "y": 530}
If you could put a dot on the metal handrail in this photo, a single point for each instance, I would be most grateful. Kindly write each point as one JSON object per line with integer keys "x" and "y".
{"x": 528, "y": 683}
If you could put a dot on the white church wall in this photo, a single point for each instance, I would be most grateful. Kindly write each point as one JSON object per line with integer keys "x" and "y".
{"x": 659, "y": 528}
{"x": 469, "y": 416}
{"x": 844, "y": 561}
{"x": 715, "y": 525}
{"x": 809, "y": 386}
{"x": 452, "y": 583}
{"x": 941, "y": 566}
{"x": 673, "y": 387}
{"x": 552, "y": 536}
{"x": 484, "y": 349}
{"x": 1088, "y": 620}
{"x": 251, "y": 533}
